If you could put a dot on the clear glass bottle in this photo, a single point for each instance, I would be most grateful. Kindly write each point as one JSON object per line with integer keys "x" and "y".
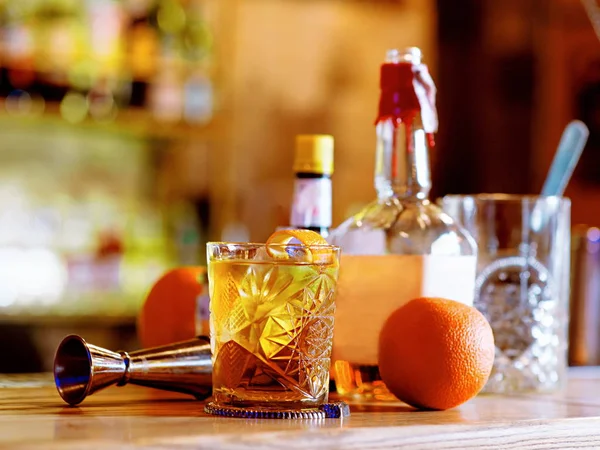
{"x": 400, "y": 246}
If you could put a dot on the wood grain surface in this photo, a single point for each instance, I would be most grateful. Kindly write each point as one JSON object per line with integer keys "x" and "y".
{"x": 32, "y": 416}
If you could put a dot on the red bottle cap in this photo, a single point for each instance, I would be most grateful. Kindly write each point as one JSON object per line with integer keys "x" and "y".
{"x": 398, "y": 97}
{"x": 407, "y": 89}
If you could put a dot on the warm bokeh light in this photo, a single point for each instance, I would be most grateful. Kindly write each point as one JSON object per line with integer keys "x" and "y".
{"x": 74, "y": 107}
{"x": 31, "y": 277}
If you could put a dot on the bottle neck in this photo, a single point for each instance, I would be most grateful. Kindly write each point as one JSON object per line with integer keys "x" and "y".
{"x": 402, "y": 159}
{"x": 311, "y": 206}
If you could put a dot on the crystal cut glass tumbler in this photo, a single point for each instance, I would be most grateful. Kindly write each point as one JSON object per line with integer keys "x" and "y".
{"x": 522, "y": 284}
{"x": 271, "y": 322}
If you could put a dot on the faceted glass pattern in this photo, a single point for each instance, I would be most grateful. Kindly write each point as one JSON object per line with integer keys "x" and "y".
{"x": 271, "y": 330}
{"x": 522, "y": 284}
{"x": 519, "y": 299}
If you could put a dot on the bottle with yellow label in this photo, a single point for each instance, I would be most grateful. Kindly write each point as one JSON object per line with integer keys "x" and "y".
{"x": 313, "y": 167}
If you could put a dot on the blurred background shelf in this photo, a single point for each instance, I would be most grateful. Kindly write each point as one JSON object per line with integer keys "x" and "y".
{"x": 133, "y": 122}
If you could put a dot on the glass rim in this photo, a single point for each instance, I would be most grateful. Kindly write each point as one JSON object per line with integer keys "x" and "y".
{"x": 507, "y": 198}
{"x": 243, "y": 245}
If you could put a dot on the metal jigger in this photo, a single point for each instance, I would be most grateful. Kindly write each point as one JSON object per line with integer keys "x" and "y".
{"x": 80, "y": 369}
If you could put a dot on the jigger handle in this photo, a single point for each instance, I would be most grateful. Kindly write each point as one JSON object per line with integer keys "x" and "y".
{"x": 181, "y": 367}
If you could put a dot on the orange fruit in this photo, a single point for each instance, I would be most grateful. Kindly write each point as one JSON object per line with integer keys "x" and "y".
{"x": 435, "y": 353}
{"x": 304, "y": 237}
{"x": 169, "y": 311}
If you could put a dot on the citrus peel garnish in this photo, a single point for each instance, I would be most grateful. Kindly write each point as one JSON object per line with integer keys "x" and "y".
{"x": 317, "y": 248}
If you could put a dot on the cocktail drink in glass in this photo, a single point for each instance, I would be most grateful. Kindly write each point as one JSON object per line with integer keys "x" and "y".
{"x": 271, "y": 320}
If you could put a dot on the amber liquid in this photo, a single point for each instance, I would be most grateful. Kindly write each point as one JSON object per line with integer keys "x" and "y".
{"x": 271, "y": 332}
{"x": 361, "y": 382}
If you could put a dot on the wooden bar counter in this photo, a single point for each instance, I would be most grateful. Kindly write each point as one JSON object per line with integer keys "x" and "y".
{"x": 32, "y": 415}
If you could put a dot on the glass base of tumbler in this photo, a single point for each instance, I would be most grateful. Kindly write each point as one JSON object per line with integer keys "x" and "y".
{"x": 255, "y": 399}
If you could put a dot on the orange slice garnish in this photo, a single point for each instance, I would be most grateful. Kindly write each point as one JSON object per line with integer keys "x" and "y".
{"x": 317, "y": 248}
{"x": 304, "y": 237}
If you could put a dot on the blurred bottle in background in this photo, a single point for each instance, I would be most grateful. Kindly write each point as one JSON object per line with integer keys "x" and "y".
{"x": 313, "y": 167}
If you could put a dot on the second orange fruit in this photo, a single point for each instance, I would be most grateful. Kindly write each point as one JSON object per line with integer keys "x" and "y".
{"x": 169, "y": 311}
{"x": 436, "y": 353}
